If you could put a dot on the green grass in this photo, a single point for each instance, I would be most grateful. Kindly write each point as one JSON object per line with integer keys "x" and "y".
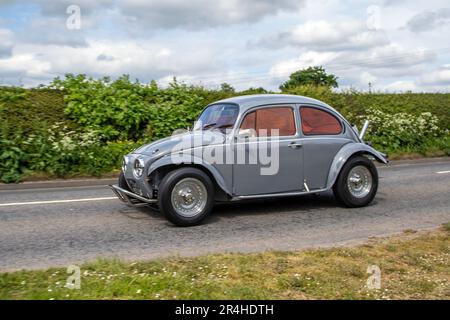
{"x": 413, "y": 265}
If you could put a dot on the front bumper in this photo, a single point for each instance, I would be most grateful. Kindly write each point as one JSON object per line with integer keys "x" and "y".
{"x": 131, "y": 198}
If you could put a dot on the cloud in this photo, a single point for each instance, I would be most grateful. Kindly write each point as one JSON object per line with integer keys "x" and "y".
{"x": 6, "y": 43}
{"x": 367, "y": 77}
{"x": 384, "y": 60}
{"x": 197, "y": 14}
{"x": 53, "y": 31}
{"x": 101, "y": 58}
{"x": 285, "y": 68}
{"x": 438, "y": 77}
{"x": 393, "y": 56}
{"x": 24, "y": 68}
{"x": 57, "y": 8}
{"x": 326, "y": 36}
{"x": 245, "y": 43}
{"x": 7, "y": 2}
{"x": 104, "y": 57}
{"x": 401, "y": 86}
{"x": 359, "y": 68}
{"x": 429, "y": 20}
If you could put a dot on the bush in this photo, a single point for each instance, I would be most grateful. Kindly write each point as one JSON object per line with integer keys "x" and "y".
{"x": 59, "y": 151}
{"x": 117, "y": 109}
{"x": 30, "y": 109}
{"x": 353, "y": 103}
{"x": 397, "y": 131}
{"x": 12, "y": 160}
{"x": 177, "y": 107}
{"x": 122, "y": 109}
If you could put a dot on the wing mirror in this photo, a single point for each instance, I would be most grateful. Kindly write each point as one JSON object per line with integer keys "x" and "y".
{"x": 245, "y": 134}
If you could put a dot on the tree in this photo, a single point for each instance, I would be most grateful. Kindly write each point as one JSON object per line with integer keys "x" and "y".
{"x": 251, "y": 90}
{"x": 315, "y": 76}
{"x": 225, "y": 87}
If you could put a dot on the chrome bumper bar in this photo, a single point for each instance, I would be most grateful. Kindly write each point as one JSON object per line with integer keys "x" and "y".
{"x": 131, "y": 198}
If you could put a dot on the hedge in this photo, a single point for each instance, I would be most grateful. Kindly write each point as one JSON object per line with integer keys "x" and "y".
{"x": 79, "y": 125}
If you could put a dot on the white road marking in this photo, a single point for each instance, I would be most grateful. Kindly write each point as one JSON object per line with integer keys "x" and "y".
{"x": 442, "y": 172}
{"x": 55, "y": 201}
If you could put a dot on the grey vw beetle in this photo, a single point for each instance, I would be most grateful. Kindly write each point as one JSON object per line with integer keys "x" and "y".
{"x": 316, "y": 150}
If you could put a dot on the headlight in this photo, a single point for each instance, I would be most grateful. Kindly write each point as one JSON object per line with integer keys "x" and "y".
{"x": 125, "y": 161}
{"x": 138, "y": 167}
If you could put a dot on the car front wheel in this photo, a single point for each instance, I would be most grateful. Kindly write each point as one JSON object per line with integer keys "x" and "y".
{"x": 357, "y": 182}
{"x": 186, "y": 196}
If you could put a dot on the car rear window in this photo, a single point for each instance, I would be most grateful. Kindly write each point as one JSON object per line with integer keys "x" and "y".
{"x": 319, "y": 122}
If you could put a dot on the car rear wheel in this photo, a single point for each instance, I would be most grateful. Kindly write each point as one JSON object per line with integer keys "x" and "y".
{"x": 357, "y": 183}
{"x": 186, "y": 196}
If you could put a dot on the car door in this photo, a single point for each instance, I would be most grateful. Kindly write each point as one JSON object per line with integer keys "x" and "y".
{"x": 274, "y": 132}
{"x": 324, "y": 134}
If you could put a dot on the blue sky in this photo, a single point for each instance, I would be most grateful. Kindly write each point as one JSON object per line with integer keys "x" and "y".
{"x": 397, "y": 45}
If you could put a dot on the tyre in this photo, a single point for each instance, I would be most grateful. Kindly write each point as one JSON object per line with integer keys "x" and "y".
{"x": 186, "y": 196}
{"x": 357, "y": 183}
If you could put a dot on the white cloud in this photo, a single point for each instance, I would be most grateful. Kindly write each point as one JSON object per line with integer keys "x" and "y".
{"x": 326, "y": 36}
{"x": 439, "y": 77}
{"x": 196, "y": 14}
{"x": 401, "y": 86}
{"x": 393, "y": 56}
{"x": 6, "y": 43}
{"x": 52, "y": 30}
{"x": 24, "y": 68}
{"x": 429, "y": 20}
{"x": 101, "y": 58}
{"x": 367, "y": 77}
{"x": 283, "y": 69}
{"x": 206, "y": 42}
{"x": 58, "y": 8}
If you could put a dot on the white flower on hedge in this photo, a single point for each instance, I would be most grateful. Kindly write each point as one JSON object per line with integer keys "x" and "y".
{"x": 401, "y": 128}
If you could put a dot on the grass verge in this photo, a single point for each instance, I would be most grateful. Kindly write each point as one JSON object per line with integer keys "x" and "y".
{"x": 413, "y": 266}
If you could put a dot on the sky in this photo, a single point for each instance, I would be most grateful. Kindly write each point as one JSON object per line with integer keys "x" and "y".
{"x": 396, "y": 45}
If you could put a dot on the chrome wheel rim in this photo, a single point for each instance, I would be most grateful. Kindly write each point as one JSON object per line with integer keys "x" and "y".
{"x": 359, "y": 182}
{"x": 189, "y": 197}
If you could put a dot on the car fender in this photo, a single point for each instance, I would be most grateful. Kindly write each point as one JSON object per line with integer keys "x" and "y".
{"x": 345, "y": 153}
{"x": 186, "y": 159}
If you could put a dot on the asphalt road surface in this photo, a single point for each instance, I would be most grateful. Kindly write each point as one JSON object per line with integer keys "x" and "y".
{"x": 84, "y": 223}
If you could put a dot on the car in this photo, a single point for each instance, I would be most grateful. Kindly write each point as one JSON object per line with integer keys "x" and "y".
{"x": 251, "y": 147}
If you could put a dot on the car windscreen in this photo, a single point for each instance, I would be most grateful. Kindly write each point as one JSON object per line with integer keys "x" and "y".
{"x": 218, "y": 116}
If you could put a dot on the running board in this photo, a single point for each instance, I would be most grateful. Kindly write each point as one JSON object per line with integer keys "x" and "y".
{"x": 275, "y": 195}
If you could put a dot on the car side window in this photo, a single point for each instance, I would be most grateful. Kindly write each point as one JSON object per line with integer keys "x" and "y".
{"x": 277, "y": 121}
{"x": 319, "y": 122}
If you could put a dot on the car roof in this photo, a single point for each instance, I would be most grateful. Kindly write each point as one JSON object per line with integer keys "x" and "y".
{"x": 250, "y": 101}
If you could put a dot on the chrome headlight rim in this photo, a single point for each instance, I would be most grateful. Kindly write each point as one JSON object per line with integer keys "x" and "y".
{"x": 138, "y": 167}
{"x": 125, "y": 162}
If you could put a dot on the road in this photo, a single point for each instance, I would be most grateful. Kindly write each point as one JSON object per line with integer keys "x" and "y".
{"x": 42, "y": 233}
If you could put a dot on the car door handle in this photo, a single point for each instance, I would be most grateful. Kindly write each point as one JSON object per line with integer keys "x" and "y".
{"x": 295, "y": 145}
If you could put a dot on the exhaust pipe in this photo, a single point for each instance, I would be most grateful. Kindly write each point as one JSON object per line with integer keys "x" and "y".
{"x": 364, "y": 130}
